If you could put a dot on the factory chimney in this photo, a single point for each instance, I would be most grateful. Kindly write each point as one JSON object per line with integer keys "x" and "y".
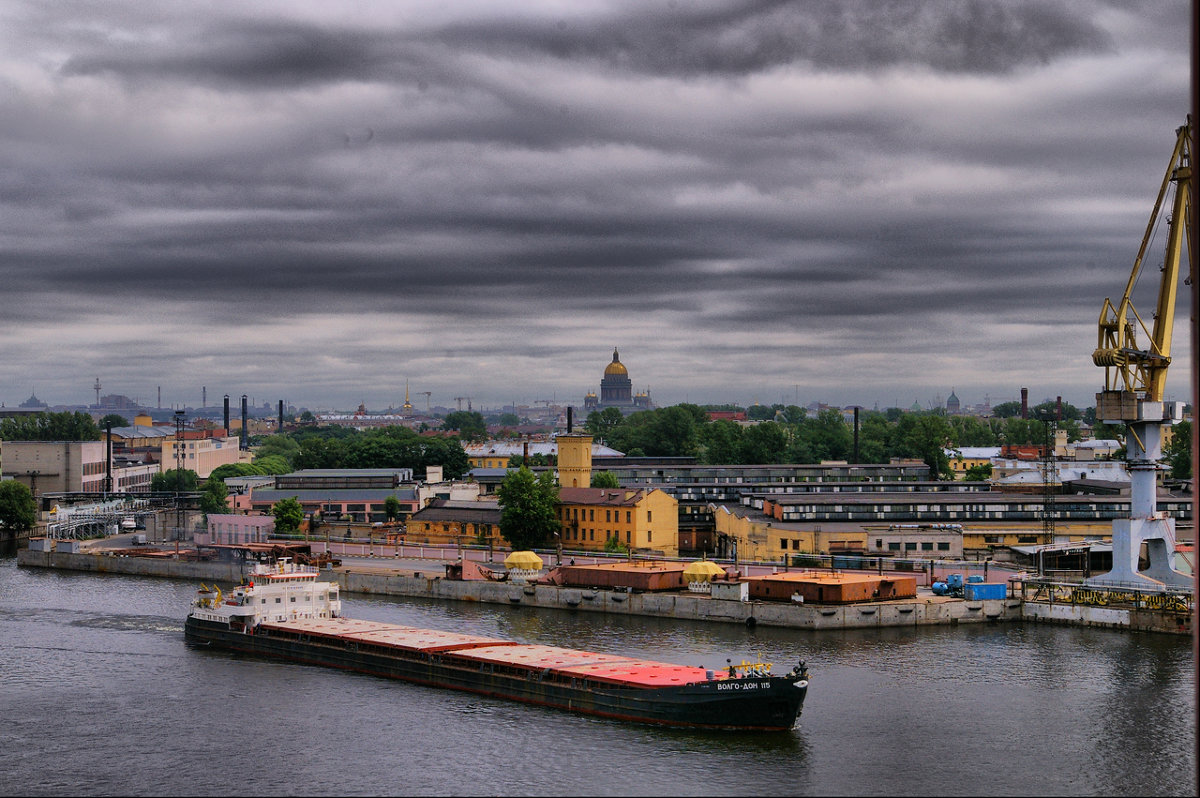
{"x": 226, "y": 415}
{"x": 245, "y": 444}
{"x": 1024, "y": 403}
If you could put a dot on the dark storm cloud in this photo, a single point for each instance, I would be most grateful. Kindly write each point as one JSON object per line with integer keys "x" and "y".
{"x": 683, "y": 39}
{"x": 476, "y": 192}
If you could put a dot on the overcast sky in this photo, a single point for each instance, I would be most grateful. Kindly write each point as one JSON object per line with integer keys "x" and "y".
{"x": 865, "y": 203}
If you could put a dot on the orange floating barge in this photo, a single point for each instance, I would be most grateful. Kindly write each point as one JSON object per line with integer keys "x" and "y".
{"x": 818, "y": 587}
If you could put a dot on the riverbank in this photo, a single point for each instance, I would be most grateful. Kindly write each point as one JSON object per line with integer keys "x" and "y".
{"x": 927, "y": 609}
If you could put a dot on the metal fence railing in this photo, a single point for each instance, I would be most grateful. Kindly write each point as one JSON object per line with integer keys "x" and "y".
{"x": 1048, "y": 591}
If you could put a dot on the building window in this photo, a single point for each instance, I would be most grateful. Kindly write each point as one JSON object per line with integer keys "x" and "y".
{"x": 649, "y": 516}
{"x": 943, "y": 546}
{"x": 783, "y": 543}
{"x": 591, "y": 515}
{"x": 927, "y": 546}
{"x": 649, "y": 536}
{"x": 628, "y": 517}
{"x": 879, "y": 543}
{"x": 608, "y": 515}
{"x": 893, "y": 547}
{"x": 910, "y": 546}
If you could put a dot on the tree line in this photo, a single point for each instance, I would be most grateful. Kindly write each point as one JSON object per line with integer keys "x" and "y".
{"x": 788, "y": 434}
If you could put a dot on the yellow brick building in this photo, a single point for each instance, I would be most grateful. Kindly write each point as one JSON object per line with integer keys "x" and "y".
{"x": 644, "y": 520}
{"x": 760, "y": 537}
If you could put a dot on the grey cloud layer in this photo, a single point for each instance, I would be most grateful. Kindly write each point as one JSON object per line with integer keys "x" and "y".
{"x": 768, "y": 174}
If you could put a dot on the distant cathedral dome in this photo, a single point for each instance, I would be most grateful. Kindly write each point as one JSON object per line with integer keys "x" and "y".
{"x": 616, "y": 390}
{"x": 616, "y": 367}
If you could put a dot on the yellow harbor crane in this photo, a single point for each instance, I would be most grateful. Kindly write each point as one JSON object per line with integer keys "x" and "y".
{"x": 1135, "y": 376}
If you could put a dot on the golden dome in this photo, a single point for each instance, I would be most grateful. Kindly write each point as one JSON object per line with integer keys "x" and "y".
{"x": 616, "y": 367}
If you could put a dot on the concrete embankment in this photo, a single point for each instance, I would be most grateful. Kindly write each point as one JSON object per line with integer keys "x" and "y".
{"x": 922, "y": 611}
{"x": 132, "y": 566}
{"x": 926, "y": 610}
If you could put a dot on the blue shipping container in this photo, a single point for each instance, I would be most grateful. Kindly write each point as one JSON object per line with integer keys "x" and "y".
{"x": 980, "y": 591}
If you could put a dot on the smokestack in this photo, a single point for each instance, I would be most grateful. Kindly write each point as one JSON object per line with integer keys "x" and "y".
{"x": 1058, "y": 409}
{"x": 226, "y": 415}
{"x": 245, "y": 444}
{"x": 108, "y": 458}
{"x": 856, "y": 434}
{"x": 280, "y": 430}
{"x": 1024, "y": 403}
{"x": 160, "y": 397}
{"x": 204, "y": 396}
{"x": 570, "y": 417}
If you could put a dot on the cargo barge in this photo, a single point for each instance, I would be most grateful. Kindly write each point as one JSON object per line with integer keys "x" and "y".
{"x": 285, "y": 613}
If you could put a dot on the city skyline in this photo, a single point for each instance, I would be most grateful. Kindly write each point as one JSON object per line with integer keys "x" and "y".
{"x": 836, "y": 202}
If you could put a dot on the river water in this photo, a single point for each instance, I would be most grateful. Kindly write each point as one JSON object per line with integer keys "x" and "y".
{"x": 99, "y": 695}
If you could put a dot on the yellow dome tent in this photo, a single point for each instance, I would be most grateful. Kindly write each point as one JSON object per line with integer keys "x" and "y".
{"x": 523, "y": 560}
{"x": 702, "y": 571}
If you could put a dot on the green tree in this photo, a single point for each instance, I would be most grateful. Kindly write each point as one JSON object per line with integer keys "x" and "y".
{"x": 1007, "y": 410}
{"x": 1178, "y": 453}
{"x": 213, "y": 500}
{"x": 469, "y": 424}
{"x": 289, "y": 514}
{"x": 184, "y": 480}
{"x": 721, "y": 443}
{"x": 829, "y": 436}
{"x": 763, "y": 443}
{"x": 614, "y": 544}
{"x": 227, "y": 470}
{"x": 508, "y": 420}
{"x": 391, "y": 508}
{"x": 925, "y": 435}
{"x": 284, "y": 446}
{"x": 528, "y": 509}
{"x": 601, "y": 422}
{"x": 116, "y": 419}
{"x": 666, "y": 432}
{"x": 757, "y": 412}
{"x": 18, "y": 510}
{"x": 605, "y": 479}
{"x": 272, "y": 464}
{"x": 978, "y": 473}
{"x": 77, "y": 426}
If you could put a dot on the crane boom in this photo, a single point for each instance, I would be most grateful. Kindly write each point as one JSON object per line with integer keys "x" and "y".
{"x": 1134, "y": 382}
{"x": 1127, "y": 366}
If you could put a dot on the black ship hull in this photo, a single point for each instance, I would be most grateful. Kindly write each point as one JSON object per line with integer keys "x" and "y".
{"x": 762, "y": 703}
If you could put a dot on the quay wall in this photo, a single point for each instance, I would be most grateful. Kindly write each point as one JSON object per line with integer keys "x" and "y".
{"x": 687, "y": 606}
{"x": 1109, "y": 617}
{"x": 132, "y": 566}
{"x": 921, "y": 611}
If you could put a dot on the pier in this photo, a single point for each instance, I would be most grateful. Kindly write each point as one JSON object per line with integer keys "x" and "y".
{"x": 1026, "y": 600}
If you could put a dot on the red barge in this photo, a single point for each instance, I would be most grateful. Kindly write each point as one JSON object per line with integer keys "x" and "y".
{"x": 285, "y": 613}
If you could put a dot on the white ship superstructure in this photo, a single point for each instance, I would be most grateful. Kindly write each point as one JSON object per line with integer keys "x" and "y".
{"x": 281, "y": 591}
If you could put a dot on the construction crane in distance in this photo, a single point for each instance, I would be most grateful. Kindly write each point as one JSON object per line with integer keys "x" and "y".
{"x": 427, "y": 394}
{"x": 1134, "y": 380}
